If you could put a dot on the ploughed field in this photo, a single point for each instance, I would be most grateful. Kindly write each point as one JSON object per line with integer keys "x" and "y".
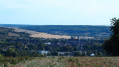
{"x": 64, "y": 62}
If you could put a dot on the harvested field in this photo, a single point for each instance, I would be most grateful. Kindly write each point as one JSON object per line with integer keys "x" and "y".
{"x": 45, "y": 35}
{"x": 40, "y": 34}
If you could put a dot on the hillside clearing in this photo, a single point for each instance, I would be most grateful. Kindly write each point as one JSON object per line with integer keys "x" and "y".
{"x": 40, "y": 34}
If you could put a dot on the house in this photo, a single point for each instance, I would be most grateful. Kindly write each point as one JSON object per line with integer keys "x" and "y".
{"x": 86, "y": 38}
{"x": 64, "y": 53}
{"x": 92, "y": 55}
{"x": 48, "y": 43}
{"x": 43, "y": 52}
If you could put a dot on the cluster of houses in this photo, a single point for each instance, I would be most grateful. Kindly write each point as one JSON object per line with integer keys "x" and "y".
{"x": 72, "y": 41}
{"x": 43, "y": 52}
{"x": 81, "y": 37}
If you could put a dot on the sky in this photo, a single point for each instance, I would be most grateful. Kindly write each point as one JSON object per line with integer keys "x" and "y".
{"x": 58, "y": 12}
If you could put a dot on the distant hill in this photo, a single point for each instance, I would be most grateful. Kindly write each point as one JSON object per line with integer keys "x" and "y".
{"x": 70, "y": 30}
{"x": 14, "y": 25}
{"x": 9, "y": 33}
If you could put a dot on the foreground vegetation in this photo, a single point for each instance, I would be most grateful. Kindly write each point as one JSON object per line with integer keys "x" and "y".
{"x": 61, "y": 62}
{"x": 12, "y": 61}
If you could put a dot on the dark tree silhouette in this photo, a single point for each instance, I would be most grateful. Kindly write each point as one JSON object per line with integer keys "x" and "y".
{"x": 112, "y": 45}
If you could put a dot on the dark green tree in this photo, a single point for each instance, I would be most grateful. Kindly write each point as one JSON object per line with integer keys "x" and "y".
{"x": 11, "y": 52}
{"x": 112, "y": 45}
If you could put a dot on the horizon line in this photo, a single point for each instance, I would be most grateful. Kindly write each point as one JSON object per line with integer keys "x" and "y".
{"x": 53, "y": 25}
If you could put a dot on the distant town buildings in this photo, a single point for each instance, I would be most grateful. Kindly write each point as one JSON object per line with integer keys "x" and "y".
{"x": 86, "y": 38}
{"x": 65, "y": 53}
{"x": 81, "y": 37}
{"x": 73, "y": 41}
{"x": 43, "y": 52}
{"x": 48, "y": 43}
{"x": 76, "y": 40}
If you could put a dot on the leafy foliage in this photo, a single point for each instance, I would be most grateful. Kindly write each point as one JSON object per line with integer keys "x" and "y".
{"x": 112, "y": 45}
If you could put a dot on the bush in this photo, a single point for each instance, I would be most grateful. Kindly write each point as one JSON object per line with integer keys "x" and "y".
{"x": 1, "y": 57}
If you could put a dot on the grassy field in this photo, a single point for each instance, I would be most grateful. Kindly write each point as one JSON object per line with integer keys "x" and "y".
{"x": 64, "y": 62}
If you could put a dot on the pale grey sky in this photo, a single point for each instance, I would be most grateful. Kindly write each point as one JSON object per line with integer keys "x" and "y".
{"x": 58, "y": 12}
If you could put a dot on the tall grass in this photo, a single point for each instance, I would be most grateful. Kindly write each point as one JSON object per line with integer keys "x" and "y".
{"x": 60, "y": 62}
{"x": 7, "y": 61}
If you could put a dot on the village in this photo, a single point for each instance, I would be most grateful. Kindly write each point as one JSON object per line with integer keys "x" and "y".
{"x": 73, "y": 41}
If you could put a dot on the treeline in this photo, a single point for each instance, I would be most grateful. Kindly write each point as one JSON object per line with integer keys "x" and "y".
{"x": 71, "y": 30}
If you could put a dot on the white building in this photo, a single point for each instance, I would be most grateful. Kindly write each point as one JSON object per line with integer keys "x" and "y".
{"x": 86, "y": 38}
{"x": 92, "y": 55}
{"x": 43, "y": 52}
{"x": 48, "y": 43}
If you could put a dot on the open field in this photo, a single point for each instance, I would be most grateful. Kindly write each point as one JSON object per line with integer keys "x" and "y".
{"x": 40, "y": 34}
{"x": 45, "y": 35}
{"x": 69, "y": 62}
